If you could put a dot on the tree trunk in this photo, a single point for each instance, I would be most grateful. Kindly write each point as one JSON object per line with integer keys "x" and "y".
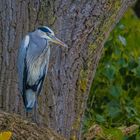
{"x": 84, "y": 26}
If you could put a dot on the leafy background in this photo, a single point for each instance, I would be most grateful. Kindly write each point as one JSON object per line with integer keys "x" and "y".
{"x": 114, "y": 99}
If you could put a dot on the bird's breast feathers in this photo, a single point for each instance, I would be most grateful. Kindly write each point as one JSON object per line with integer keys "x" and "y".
{"x": 36, "y": 69}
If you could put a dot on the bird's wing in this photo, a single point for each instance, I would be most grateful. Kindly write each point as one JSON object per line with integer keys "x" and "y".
{"x": 21, "y": 62}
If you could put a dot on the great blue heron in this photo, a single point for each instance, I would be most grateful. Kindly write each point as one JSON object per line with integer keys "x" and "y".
{"x": 33, "y": 60}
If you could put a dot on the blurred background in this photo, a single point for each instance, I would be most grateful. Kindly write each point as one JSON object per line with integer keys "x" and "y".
{"x": 114, "y": 99}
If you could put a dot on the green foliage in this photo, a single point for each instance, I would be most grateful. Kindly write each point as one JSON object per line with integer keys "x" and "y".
{"x": 115, "y": 94}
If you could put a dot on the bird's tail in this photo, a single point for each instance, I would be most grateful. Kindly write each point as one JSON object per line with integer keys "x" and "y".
{"x": 29, "y": 99}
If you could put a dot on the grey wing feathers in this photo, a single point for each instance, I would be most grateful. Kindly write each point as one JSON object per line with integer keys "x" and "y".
{"x": 21, "y": 61}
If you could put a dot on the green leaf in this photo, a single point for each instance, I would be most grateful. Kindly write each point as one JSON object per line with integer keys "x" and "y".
{"x": 115, "y": 91}
{"x": 109, "y": 72}
{"x": 100, "y": 118}
{"x": 122, "y": 62}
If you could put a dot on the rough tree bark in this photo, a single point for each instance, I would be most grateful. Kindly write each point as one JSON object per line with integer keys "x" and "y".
{"x": 82, "y": 24}
{"x": 24, "y": 130}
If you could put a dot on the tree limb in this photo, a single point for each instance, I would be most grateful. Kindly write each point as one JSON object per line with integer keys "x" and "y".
{"x": 97, "y": 131}
{"x": 24, "y": 130}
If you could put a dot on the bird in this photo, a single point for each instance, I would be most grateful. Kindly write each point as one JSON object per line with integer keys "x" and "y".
{"x": 33, "y": 60}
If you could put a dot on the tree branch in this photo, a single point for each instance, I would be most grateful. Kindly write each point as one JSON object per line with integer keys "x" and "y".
{"x": 97, "y": 131}
{"x": 23, "y": 130}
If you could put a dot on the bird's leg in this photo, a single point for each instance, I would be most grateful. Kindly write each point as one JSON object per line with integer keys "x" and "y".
{"x": 35, "y": 112}
{"x": 27, "y": 113}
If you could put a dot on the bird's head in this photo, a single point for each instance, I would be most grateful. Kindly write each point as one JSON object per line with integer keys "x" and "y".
{"x": 50, "y": 36}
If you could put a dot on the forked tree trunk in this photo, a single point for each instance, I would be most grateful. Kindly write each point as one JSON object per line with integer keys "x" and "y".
{"x": 82, "y": 24}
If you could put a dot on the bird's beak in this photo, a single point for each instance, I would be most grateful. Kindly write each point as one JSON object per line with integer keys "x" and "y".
{"x": 57, "y": 41}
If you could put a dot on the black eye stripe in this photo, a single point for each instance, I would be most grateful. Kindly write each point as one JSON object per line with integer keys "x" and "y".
{"x": 44, "y": 29}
